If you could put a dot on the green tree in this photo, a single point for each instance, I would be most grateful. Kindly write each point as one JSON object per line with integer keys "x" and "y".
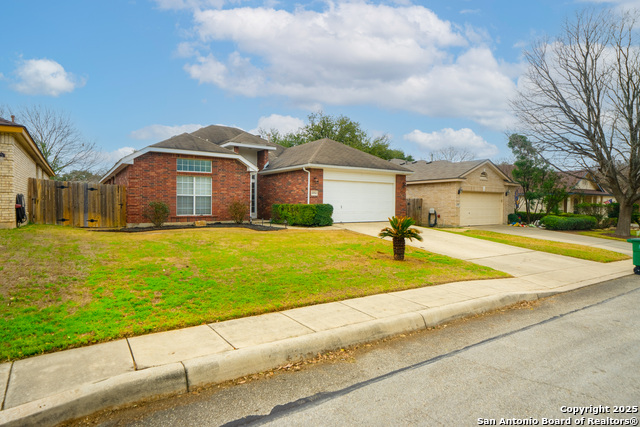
{"x": 341, "y": 129}
{"x": 80, "y": 175}
{"x": 529, "y": 169}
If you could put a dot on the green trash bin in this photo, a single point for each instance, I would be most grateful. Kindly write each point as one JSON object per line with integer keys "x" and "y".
{"x": 635, "y": 242}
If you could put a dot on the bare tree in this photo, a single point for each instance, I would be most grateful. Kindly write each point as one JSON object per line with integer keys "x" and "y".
{"x": 580, "y": 102}
{"x": 57, "y": 137}
{"x": 452, "y": 154}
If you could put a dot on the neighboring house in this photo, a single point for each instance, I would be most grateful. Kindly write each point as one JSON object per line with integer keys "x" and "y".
{"x": 581, "y": 187}
{"x": 463, "y": 193}
{"x": 200, "y": 174}
{"x": 20, "y": 159}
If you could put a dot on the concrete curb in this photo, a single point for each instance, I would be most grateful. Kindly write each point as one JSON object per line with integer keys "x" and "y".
{"x": 113, "y": 392}
{"x": 177, "y": 378}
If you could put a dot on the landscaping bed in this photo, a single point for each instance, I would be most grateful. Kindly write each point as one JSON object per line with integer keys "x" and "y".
{"x": 62, "y": 287}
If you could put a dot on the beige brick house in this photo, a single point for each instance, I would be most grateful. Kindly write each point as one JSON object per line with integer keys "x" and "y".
{"x": 20, "y": 159}
{"x": 463, "y": 193}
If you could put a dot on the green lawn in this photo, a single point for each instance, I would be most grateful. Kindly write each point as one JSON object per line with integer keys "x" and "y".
{"x": 560, "y": 248}
{"x": 62, "y": 287}
{"x": 605, "y": 234}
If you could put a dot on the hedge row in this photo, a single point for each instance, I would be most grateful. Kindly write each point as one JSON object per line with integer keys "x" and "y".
{"x": 573, "y": 222}
{"x": 306, "y": 215}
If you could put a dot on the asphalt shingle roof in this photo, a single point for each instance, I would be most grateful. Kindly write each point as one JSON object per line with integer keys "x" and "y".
{"x": 189, "y": 142}
{"x": 223, "y": 134}
{"x": 441, "y": 169}
{"x": 330, "y": 153}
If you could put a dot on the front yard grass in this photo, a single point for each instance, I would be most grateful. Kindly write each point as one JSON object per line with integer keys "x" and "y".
{"x": 604, "y": 234}
{"x": 560, "y": 248}
{"x": 62, "y": 287}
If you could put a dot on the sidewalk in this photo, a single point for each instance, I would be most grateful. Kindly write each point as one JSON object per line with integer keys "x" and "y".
{"x": 52, "y": 388}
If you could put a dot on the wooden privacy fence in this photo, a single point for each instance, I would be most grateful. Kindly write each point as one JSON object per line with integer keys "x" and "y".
{"x": 414, "y": 210}
{"x": 78, "y": 204}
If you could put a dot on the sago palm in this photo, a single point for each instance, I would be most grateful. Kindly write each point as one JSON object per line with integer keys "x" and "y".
{"x": 400, "y": 229}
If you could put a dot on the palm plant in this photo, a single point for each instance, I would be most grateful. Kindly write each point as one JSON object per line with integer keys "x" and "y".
{"x": 399, "y": 230}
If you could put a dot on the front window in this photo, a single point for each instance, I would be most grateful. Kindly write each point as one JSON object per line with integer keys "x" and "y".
{"x": 194, "y": 165}
{"x": 194, "y": 195}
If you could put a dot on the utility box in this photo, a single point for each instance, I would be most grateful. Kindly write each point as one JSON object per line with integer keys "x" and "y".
{"x": 635, "y": 242}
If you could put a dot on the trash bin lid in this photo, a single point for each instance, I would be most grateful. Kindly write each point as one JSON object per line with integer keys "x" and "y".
{"x": 634, "y": 240}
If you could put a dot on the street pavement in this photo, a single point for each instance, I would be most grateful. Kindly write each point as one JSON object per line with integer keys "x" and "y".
{"x": 48, "y": 389}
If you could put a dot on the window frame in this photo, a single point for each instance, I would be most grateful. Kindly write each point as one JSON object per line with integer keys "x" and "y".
{"x": 194, "y": 195}
{"x": 180, "y": 161}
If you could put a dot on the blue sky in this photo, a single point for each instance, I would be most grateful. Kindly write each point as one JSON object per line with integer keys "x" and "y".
{"x": 131, "y": 73}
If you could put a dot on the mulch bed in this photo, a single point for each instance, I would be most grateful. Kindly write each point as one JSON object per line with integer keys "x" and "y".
{"x": 256, "y": 227}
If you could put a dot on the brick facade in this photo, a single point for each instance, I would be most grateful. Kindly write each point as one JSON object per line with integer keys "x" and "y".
{"x": 153, "y": 177}
{"x": 288, "y": 187}
{"x": 444, "y": 197}
{"x": 401, "y": 195}
{"x": 16, "y": 167}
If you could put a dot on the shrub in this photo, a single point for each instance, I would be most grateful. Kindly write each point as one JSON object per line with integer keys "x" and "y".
{"x": 596, "y": 210}
{"x": 299, "y": 214}
{"x": 238, "y": 211}
{"x": 574, "y": 222}
{"x": 535, "y": 216}
{"x": 156, "y": 212}
{"x": 609, "y": 222}
{"x": 512, "y": 217}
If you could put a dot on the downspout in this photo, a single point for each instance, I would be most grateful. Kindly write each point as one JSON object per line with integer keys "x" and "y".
{"x": 308, "y": 183}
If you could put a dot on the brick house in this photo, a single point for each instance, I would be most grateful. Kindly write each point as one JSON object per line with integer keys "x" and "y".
{"x": 475, "y": 192}
{"x": 20, "y": 159}
{"x": 198, "y": 175}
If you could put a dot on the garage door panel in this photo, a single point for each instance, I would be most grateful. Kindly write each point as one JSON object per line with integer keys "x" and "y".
{"x": 480, "y": 208}
{"x": 355, "y": 201}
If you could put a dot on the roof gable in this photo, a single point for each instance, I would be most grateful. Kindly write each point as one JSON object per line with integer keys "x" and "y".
{"x": 326, "y": 152}
{"x": 446, "y": 170}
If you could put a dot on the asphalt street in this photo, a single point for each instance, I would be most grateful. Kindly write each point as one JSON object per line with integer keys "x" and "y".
{"x": 533, "y": 363}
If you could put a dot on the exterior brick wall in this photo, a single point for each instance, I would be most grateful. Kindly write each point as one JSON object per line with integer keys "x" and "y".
{"x": 288, "y": 187}
{"x": 7, "y": 196}
{"x": 15, "y": 170}
{"x": 153, "y": 177}
{"x": 401, "y": 195}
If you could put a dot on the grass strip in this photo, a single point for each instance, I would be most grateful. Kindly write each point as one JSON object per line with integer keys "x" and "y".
{"x": 560, "y": 248}
{"x": 62, "y": 287}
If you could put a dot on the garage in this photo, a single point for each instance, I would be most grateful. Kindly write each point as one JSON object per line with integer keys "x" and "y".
{"x": 359, "y": 196}
{"x": 480, "y": 208}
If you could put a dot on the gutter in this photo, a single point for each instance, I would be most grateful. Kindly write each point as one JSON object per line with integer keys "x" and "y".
{"x": 308, "y": 184}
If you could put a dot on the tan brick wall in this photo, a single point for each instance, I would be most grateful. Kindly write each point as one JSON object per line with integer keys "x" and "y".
{"x": 443, "y": 197}
{"x": 7, "y": 196}
{"x": 15, "y": 170}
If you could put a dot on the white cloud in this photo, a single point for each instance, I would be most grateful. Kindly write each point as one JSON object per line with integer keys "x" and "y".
{"x": 284, "y": 124}
{"x": 45, "y": 77}
{"x": 463, "y": 138}
{"x": 162, "y": 132}
{"x": 110, "y": 158}
{"x": 397, "y": 57}
{"x": 620, "y": 4}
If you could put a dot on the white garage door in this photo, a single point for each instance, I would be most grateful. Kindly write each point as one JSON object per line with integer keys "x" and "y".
{"x": 480, "y": 208}
{"x": 359, "y": 197}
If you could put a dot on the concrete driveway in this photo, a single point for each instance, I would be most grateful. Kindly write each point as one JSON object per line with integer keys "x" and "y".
{"x": 539, "y": 268}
